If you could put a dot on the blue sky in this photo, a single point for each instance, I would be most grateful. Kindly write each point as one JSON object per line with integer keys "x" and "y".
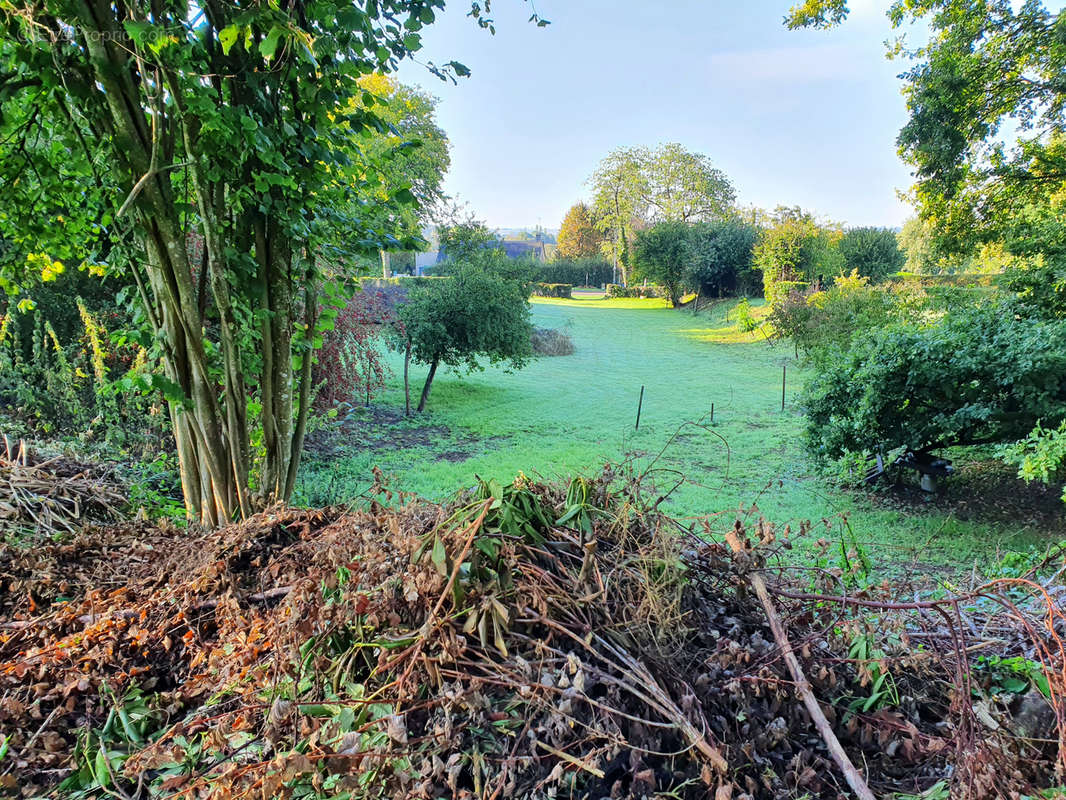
{"x": 793, "y": 117}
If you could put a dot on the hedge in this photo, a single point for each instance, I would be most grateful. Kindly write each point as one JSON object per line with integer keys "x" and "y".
{"x": 553, "y": 289}
{"x": 617, "y": 290}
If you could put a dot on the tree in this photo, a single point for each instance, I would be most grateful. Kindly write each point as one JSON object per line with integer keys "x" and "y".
{"x": 795, "y": 251}
{"x": 720, "y": 255}
{"x": 227, "y": 120}
{"x": 578, "y": 237}
{"x": 682, "y": 186}
{"x": 460, "y": 319}
{"x": 873, "y": 252}
{"x": 411, "y": 153}
{"x": 635, "y": 186}
{"x": 661, "y": 256}
{"x": 975, "y": 377}
{"x": 617, "y": 186}
{"x": 989, "y": 68}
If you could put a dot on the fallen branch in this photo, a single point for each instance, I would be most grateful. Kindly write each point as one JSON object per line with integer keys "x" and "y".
{"x": 851, "y": 775}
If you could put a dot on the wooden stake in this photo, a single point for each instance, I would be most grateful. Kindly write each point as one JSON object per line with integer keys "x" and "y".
{"x": 712, "y": 413}
{"x": 640, "y": 404}
{"x": 851, "y": 775}
{"x": 784, "y": 370}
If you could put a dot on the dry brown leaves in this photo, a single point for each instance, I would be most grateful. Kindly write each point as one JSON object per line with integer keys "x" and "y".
{"x": 303, "y": 651}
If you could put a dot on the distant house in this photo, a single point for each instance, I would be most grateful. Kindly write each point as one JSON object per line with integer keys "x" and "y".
{"x": 528, "y": 249}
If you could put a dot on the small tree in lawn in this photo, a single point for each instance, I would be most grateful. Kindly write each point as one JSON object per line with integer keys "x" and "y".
{"x": 472, "y": 315}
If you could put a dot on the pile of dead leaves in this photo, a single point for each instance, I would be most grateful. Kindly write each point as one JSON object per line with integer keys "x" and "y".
{"x": 524, "y": 641}
{"x": 52, "y": 496}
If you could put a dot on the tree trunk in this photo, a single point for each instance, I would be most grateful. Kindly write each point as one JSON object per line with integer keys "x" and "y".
{"x": 425, "y": 389}
{"x": 386, "y": 265}
{"x": 407, "y": 379}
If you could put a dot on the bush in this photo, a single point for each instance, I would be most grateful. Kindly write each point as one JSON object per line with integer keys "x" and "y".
{"x": 977, "y": 376}
{"x": 553, "y": 290}
{"x": 94, "y": 383}
{"x": 819, "y": 321}
{"x": 349, "y": 367}
{"x": 551, "y": 342}
{"x": 742, "y": 316}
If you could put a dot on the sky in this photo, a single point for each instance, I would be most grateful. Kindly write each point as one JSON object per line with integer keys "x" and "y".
{"x": 805, "y": 118}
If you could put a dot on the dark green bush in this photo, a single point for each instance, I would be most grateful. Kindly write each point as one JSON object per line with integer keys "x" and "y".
{"x": 976, "y": 376}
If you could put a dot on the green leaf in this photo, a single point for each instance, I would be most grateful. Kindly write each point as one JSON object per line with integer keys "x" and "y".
{"x": 439, "y": 556}
{"x": 269, "y": 46}
{"x": 136, "y": 30}
{"x": 227, "y": 37}
{"x": 412, "y": 41}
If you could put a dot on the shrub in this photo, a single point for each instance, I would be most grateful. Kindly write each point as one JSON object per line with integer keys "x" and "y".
{"x": 94, "y": 383}
{"x": 979, "y": 376}
{"x": 742, "y": 316}
{"x": 553, "y": 290}
{"x": 551, "y": 342}
{"x": 820, "y": 320}
{"x": 349, "y": 367}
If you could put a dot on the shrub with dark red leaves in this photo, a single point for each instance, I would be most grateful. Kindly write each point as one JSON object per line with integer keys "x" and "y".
{"x": 350, "y": 367}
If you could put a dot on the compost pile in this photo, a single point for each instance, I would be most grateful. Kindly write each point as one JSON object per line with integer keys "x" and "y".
{"x": 55, "y": 495}
{"x": 526, "y": 640}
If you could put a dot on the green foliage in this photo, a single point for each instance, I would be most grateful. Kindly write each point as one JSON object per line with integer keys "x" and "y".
{"x": 977, "y": 376}
{"x": 794, "y": 252}
{"x": 869, "y": 659}
{"x": 1040, "y": 287}
{"x": 872, "y": 252}
{"x": 90, "y": 382}
{"x": 987, "y": 133}
{"x": 742, "y": 316}
{"x": 821, "y": 322}
{"x": 101, "y": 752}
{"x": 476, "y": 314}
{"x": 1040, "y": 456}
{"x": 641, "y": 186}
{"x": 720, "y": 257}
{"x": 121, "y": 151}
{"x": 466, "y": 239}
{"x": 591, "y": 271}
{"x": 616, "y": 290}
{"x": 552, "y": 289}
{"x": 662, "y": 256}
{"x": 1013, "y": 675}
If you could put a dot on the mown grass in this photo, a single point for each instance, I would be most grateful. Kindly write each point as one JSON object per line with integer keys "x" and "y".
{"x": 572, "y": 414}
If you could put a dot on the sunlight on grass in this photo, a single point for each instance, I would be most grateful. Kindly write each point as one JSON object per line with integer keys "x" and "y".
{"x": 604, "y": 302}
{"x": 729, "y": 334}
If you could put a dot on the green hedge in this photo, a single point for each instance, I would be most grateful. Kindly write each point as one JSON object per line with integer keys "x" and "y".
{"x": 617, "y": 290}
{"x": 575, "y": 271}
{"x": 553, "y": 289}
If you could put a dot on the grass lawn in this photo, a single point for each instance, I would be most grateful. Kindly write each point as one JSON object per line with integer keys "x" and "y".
{"x": 571, "y": 414}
